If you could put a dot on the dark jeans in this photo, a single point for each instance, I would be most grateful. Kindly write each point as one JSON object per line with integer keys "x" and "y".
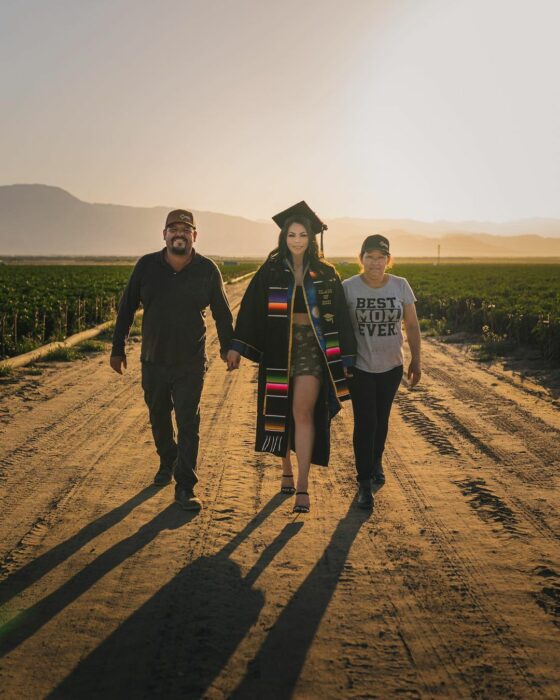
{"x": 372, "y": 398}
{"x": 167, "y": 388}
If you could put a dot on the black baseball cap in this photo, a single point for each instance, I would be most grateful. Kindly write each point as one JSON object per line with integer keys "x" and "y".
{"x": 376, "y": 242}
{"x": 180, "y": 216}
{"x": 300, "y": 209}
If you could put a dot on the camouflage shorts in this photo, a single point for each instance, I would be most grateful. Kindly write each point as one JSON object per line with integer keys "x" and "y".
{"x": 306, "y": 353}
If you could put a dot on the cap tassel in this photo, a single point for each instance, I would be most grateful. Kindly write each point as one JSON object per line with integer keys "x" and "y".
{"x": 322, "y": 231}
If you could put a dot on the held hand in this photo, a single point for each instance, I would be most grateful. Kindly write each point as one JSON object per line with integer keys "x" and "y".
{"x": 117, "y": 363}
{"x": 414, "y": 373}
{"x": 348, "y": 372}
{"x": 233, "y": 359}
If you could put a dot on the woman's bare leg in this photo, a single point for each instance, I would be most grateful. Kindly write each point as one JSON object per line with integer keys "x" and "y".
{"x": 287, "y": 468}
{"x": 306, "y": 391}
{"x": 287, "y": 460}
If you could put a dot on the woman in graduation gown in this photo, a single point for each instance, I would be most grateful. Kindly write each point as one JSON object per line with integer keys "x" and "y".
{"x": 294, "y": 322}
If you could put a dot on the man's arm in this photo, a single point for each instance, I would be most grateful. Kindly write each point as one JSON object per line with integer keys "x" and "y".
{"x": 219, "y": 306}
{"x": 128, "y": 306}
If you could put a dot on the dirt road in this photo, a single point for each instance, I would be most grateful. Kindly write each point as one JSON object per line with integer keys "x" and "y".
{"x": 449, "y": 589}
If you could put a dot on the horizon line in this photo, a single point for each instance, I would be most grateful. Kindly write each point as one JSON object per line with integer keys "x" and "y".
{"x": 261, "y": 220}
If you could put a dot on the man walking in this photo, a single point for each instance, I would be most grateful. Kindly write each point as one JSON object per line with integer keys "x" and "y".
{"x": 174, "y": 286}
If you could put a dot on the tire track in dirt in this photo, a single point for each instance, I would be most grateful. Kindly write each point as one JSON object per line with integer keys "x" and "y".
{"x": 44, "y": 473}
{"x": 470, "y": 604}
{"x": 548, "y": 598}
{"x": 500, "y": 468}
{"x": 480, "y": 495}
{"x": 507, "y": 412}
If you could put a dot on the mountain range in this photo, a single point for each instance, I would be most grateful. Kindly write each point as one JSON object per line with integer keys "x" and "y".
{"x": 45, "y": 220}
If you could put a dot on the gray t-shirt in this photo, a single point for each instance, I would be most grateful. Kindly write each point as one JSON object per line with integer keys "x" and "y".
{"x": 377, "y": 316}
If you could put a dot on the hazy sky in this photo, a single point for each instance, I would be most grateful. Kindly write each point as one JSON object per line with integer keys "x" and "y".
{"x": 372, "y": 108}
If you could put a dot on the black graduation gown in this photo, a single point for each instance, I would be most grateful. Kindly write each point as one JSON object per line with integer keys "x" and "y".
{"x": 263, "y": 333}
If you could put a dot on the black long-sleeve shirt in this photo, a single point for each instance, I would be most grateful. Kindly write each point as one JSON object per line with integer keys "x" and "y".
{"x": 173, "y": 326}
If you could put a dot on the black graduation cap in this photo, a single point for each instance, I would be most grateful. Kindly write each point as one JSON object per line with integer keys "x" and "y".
{"x": 302, "y": 209}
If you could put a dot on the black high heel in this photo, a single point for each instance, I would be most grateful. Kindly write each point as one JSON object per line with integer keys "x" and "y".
{"x": 298, "y": 508}
{"x": 288, "y": 490}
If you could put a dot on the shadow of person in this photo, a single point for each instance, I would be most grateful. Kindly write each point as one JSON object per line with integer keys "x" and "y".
{"x": 178, "y": 641}
{"x": 274, "y": 671}
{"x": 30, "y": 573}
{"x": 27, "y": 622}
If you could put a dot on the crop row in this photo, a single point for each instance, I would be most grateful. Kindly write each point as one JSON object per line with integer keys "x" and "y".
{"x": 42, "y": 303}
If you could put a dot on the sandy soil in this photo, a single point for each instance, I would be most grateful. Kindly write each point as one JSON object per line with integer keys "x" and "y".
{"x": 449, "y": 589}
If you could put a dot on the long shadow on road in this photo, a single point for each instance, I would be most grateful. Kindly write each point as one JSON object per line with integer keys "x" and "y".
{"x": 37, "y": 568}
{"x": 180, "y": 639}
{"x": 275, "y": 670}
{"x": 177, "y": 643}
{"x": 26, "y": 623}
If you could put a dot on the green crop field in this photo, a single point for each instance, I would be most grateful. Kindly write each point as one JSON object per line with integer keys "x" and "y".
{"x": 41, "y": 303}
{"x": 508, "y": 304}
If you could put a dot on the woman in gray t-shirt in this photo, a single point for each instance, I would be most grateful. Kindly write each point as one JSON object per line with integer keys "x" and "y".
{"x": 378, "y": 303}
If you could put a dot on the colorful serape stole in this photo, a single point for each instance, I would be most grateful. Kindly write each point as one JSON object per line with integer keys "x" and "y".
{"x": 277, "y": 381}
{"x": 276, "y": 407}
{"x": 329, "y": 340}
{"x": 278, "y": 302}
{"x": 334, "y": 362}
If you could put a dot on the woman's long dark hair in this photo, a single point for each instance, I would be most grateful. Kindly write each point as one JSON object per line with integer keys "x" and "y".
{"x": 312, "y": 255}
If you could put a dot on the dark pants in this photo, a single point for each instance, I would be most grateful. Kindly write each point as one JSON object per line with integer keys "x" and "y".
{"x": 372, "y": 398}
{"x": 167, "y": 388}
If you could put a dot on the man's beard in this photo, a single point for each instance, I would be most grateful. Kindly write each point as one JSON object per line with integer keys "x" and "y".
{"x": 179, "y": 250}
